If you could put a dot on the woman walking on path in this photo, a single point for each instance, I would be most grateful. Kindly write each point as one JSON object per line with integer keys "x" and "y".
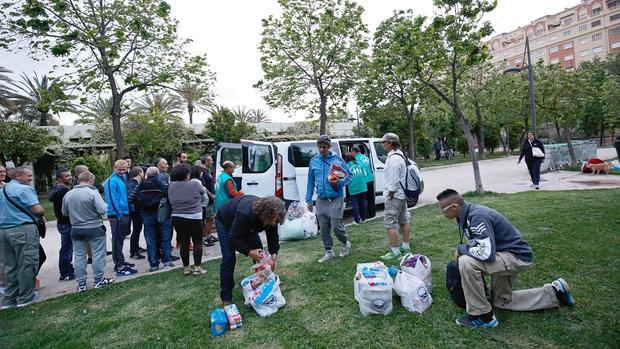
{"x": 533, "y": 157}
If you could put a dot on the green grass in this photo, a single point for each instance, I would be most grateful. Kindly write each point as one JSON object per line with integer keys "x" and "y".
{"x": 458, "y": 159}
{"x": 574, "y": 234}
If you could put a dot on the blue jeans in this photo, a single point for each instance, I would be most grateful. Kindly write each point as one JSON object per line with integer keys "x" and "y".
{"x": 119, "y": 229}
{"x": 227, "y": 268}
{"x": 156, "y": 237}
{"x": 99, "y": 253}
{"x": 66, "y": 250}
{"x": 358, "y": 201}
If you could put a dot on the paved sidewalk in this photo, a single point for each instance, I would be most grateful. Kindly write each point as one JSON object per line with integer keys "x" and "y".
{"x": 498, "y": 175}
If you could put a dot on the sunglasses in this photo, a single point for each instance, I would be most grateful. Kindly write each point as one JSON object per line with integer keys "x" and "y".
{"x": 445, "y": 209}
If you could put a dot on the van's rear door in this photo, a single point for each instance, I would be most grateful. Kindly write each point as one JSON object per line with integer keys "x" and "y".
{"x": 300, "y": 154}
{"x": 229, "y": 152}
{"x": 258, "y": 168}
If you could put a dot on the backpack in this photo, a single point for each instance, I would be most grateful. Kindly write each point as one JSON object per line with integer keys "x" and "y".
{"x": 455, "y": 286}
{"x": 414, "y": 184}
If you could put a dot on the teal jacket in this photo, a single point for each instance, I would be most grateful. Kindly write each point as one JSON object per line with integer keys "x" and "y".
{"x": 221, "y": 194}
{"x": 364, "y": 161}
{"x": 358, "y": 178}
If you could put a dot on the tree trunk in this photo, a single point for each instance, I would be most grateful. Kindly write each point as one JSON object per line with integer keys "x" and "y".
{"x": 480, "y": 130}
{"x": 508, "y": 141}
{"x": 190, "y": 110}
{"x": 472, "y": 149}
{"x": 323, "y": 110}
{"x": 43, "y": 119}
{"x": 602, "y": 135}
{"x": 571, "y": 150}
{"x": 116, "y": 126}
{"x": 410, "y": 143}
{"x": 557, "y": 127}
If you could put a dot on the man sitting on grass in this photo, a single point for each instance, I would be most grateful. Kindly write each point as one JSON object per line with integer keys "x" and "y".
{"x": 495, "y": 247}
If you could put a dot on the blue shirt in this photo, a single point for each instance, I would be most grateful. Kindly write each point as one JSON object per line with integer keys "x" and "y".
{"x": 22, "y": 195}
{"x": 318, "y": 177}
{"x": 116, "y": 196}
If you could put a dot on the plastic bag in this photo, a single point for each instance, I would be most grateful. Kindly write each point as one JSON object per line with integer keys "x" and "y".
{"x": 336, "y": 172}
{"x": 291, "y": 229}
{"x": 419, "y": 266}
{"x": 219, "y": 322}
{"x": 233, "y": 316}
{"x": 295, "y": 210}
{"x": 267, "y": 298}
{"x": 413, "y": 293}
{"x": 373, "y": 288}
{"x": 309, "y": 224}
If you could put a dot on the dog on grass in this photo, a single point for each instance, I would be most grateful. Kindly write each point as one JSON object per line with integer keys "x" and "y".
{"x": 597, "y": 168}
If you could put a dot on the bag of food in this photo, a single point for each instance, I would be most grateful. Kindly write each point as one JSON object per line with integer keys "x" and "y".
{"x": 413, "y": 293}
{"x": 309, "y": 224}
{"x": 419, "y": 266}
{"x": 267, "y": 298}
{"x": 336, "y": 172}
{"x": 373, "y": 288}
{"x": 219, "y": 322}
{"x": 295, "y": 210}
{"x": 291, "y": 229}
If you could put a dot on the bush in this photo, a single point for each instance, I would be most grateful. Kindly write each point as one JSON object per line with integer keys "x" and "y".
{"x": 100, "y": 167}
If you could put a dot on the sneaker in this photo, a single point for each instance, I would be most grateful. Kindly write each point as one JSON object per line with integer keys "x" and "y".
{"x": 152, "y": 269}
{"x": 391, "y": 256}
{"x": 126, "y": 271}
{"x": 168, "y": 265}
{"x": 328, "y": 255}
{"x": 532, "y": 185}
{"x": 212, "y": 238}
{"x": 1, "y": 290}
{"x": 536, "y": 187}
{"x": 8, "y": 306}
{"x": 104, "y": 282}
{"x": 137, "y": 256}
{"x": 66, "y": 278}
{"x": 344, "y": 250}
{"x": 562, "y": 291}
{"x": 207, "y": 243}
{"x": 81, "y": 288}
{"x": 127, "y": 264}
{"x": 199, "y": 271}
{"x": 187, "y": 270}
{"x": 475, "y": 321}
{"x": 356, "y": 223}
{"x": 404, "y": 250}
{"x": 35, "y": 297}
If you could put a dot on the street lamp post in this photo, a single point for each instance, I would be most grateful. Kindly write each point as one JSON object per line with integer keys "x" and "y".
{"x": 530, "y": 77}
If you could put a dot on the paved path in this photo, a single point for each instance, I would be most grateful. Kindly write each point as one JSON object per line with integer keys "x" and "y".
{"x": 499, "y": 175}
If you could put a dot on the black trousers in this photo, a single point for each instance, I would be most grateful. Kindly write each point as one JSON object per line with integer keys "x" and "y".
{"x": 370, "y": 199}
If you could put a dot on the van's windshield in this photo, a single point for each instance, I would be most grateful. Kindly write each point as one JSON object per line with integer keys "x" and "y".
{"x": 381, "y": 154}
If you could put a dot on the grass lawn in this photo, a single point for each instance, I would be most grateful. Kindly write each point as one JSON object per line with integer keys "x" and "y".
{"x": 574, "y": 234}
{"x": 458, "y": 159}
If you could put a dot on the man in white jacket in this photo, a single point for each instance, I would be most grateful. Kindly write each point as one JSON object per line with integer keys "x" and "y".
{"x": 396, "y": 214}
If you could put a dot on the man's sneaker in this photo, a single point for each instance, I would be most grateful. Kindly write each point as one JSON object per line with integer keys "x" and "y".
{"x": 152, "y": 269}
{"x": 356, "y": 223}
{"x": 404, "y": 250}
{"x": 35, "y": 297}
{"x": 344, "y": 250}
{"x": 328, "y": 255}
{"x": 168, "y": 265}
{"x": 104, "y": 282}
{"x": 126, "y": 271}
{"x": 8, "y": 306}
{"x": 136, "y": 256}
{"x": 207, "y": 242}
{"x": 562, "y": 291}
{"x": 475, "y": 321}
{"x": 81, "y": 288}
{"x": 391, "y": 256}
{"x": 66, "y": 278}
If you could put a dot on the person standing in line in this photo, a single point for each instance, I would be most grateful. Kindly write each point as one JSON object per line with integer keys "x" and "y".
{"x": 330, "y": 196}
{"x": 135, "y": 177}
{"x": 20, "y": 239}
{"x": 396, "y": 214}
{"x": 533, "y": 163}
{"x": 208, "y": 237}
{"x": 357, "y": 188}
{"x": 164, "y": 178}
{"x": 181, "y": 158}
{"x": 65, "y": 256}
{"x": 84, "y": 207}
{"x": 118, "y": 215}
{"x": 185, "y": 197}
{"x": 226, "y": 185}
{"x": 364, "y": 161}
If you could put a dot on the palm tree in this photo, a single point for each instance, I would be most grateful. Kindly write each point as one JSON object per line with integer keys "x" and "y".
{"x": 38, "y": 99}
{"x": 259, "y": 115}
{"x": 99, "y": 110}
{"x": 242, "y": 114}
{"x": 195, "y": 97}
{"x": 161, "y": 101}
{"x": 7, "y": 105}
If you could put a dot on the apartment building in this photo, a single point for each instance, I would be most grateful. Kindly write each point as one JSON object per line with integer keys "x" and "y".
{"x": 577, "y": 34}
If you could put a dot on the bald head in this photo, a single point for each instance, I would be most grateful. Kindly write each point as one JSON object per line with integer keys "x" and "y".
{"x": 86, "y": 178}
{"x": 152, "y": 171}
{"x": 79, "y": 169}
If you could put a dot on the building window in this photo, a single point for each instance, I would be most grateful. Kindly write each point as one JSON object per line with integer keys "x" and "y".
{"x": 553, "y": 49}
{"x": 615, "y": 44}
{"x": 583, "y": 14}
{"x": 555, "y": 61}
{"x": 611, "y": 4}
{"x": 614, "y": 17}
{"x": 584, "y": 40}
{"x": 597, "y": 49}
{"x": 568, "y": 58}
{"x": 566, "y": 33}
{"x": 539, "y": 32}
{"x": 568, "y": 45}
{"x": 568, "y": 21}
{"x": 597, "y": 36}
{"x": 553, "y": 37}
{"x": 584, "y": 53}
{"x": 615, "y": 31}
{"x": 595, "y": 23}
{"x": 596, "y": 11}
{"x": 530, "y": 34}
{"x": 583, "y": 27}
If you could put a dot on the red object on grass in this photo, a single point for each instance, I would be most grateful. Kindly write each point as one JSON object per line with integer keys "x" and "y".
{"x": 586, "y": 167}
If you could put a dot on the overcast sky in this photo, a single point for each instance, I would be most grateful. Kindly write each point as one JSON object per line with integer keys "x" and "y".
{"x": 229, "y": 33}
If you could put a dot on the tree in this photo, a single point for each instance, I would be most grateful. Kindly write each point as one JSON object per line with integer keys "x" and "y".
{"x": 38, "y": 98}
{"x": 196, "y": 97}
{"x": 475, "y": 85}
{"x": 259, "y": 116}
{"x": 390, "y": 77}
{"x": 242, "y": 114}
{"x": 223, "y": 127}
{"x": 611, "y": 104}
{"x": 7, "y": 105}
{"x": 117, "y": 46}
{"x": 22, "y": 143}
{"x": 95, "y": 111}
{"x": 443, "y": 51}
{"x": 312, "y": 54}
{"x": 159, "y": 101}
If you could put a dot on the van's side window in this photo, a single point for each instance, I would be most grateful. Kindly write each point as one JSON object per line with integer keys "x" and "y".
{"x": 381, "y": 154}
{"x": 301, "y": 154}
{"x": 258, "y": 158}
{"x": 232, "y": 154}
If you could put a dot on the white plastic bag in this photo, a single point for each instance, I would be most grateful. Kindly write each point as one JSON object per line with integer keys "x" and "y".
{"x": 373, "y": 288}
{"x": 308, "y": 222}
{"x": 413, "y": 293}
{"x": 419, "y": 266}
{"x": 291, "y": 229}
{"x": 267, "y": 298}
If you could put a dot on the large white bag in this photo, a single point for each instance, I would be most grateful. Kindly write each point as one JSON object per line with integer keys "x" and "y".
{"x": 291, "y": 229}
{"x": 308, "y": 222}
{"x": 419, "y": 266}
{"x": 413, "y": 293}
{"x": 267, "y": 298}
{"x": 373, "y": 288}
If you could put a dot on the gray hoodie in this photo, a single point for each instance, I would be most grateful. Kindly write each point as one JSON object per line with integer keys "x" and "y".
{"x": 84, "y": 206}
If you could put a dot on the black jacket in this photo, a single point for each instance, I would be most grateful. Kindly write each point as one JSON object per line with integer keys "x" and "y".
{"x": 237, "y": 216}
{"x": 148, "y": 194}
{"x": 55, "y": 196}
{"x": 526, "y": 149}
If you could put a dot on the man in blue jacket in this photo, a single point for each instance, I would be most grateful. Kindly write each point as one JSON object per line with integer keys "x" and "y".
{"x": 330, "y": 196}
{"x": 118, "y": 215}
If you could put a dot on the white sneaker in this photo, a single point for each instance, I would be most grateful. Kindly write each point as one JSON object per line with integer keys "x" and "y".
{"x": 532, "y": 185}
{"x": 328, "y": 256}
{"x": 344, "y": 250}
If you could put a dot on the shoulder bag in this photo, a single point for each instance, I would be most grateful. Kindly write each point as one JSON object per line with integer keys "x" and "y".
{"x": 38, "y": 222}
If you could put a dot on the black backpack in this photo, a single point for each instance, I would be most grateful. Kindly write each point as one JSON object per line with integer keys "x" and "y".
{"x": 455, "y": 286}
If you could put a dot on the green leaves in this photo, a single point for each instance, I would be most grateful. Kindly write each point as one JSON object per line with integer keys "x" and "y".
{"x": 22, "y": 143}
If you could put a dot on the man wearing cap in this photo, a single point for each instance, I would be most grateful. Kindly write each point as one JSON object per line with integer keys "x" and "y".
{"x": 396, "y": 214}
{"x": 330, "y": 196}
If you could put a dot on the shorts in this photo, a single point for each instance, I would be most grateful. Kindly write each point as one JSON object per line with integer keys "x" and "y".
{"x": 395, "y": 213}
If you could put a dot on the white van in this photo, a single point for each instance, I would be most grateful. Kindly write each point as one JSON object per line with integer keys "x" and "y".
{"x": 281, "y": 168}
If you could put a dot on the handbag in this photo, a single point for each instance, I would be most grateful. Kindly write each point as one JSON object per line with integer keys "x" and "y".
{"x": 537, "y": 152}
{"x": 38, "y": 222}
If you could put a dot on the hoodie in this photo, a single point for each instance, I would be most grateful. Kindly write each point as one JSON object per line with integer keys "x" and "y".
{"x": 318, "y": 177}
{"x": 55, "y": 196}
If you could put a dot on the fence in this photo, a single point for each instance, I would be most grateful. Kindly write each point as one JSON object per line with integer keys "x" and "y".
{"x": 557, "y": 156}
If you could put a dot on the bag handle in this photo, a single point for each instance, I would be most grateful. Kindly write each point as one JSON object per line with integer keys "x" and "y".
{"x": 18, "y": 206}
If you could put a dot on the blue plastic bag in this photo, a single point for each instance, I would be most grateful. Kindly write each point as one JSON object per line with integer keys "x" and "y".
{"x": 219, "y": 322}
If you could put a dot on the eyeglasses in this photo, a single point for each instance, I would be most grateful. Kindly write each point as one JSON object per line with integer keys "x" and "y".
{"x": 445, "y": 209}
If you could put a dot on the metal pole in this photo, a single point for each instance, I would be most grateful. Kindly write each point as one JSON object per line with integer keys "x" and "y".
{"x": 530, "y": 77}
{"x": 357, "y": 115}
